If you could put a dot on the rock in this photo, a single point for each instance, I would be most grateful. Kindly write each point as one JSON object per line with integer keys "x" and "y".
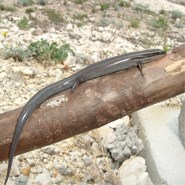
{"x": 14, "y": 29}
{"x": 22, "y": 180}
{"x": 50, "y": 165}
{"x": 123, "y": 143}
{"x": 44, "y": 178}
{"x": 37, "y": 32}
{"x": 96, "y": 150}
{"x": 132, "y": 172}
{"x": 98, "y": 7}
{"x": 87, "y": 160}
{"x": 58, "y": 178}
{"x": 64, "y": 169}
{"x": 31, "y": 162}
{"x": 49, "y": 149}
{"x": 37, "y": 170}
{"x": 69, "y": 27}
{"x": 26, "y": 71}
{"x": 70, "y": 60}
{"x": 182, "y": 123}
{"x": 33, "y": 15}
{"x": 25, "y": 171}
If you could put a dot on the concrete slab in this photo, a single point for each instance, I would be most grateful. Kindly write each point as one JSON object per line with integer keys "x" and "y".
{"x": 164, "y": 151}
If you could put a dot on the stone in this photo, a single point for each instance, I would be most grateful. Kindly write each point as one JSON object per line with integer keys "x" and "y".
{"x": 37, "y": 32}
{"x": 70, "y": 60}
{"x": 64, "y": 169}
{"x": 28, "y": 71}
{"x": 49, "y": 149}
{"x": 158, "y": 128}
{"x": 22, "y": 180}
{"x": 96, "y": 150}
{"x": 25, "y": 171}
{"x": 33, "y": 15}
{"x": 182, "y": 123}
{"x": 69, "y": 27}
{"x": 123, "y": 142}
{"x": 133, "y": 172}
{"x": 58, "y": 178}
{"x": 44, "y": 178}
{"x": 31, "y": 162}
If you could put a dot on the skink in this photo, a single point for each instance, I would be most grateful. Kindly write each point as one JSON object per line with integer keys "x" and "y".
{"x": 104, "y": 67}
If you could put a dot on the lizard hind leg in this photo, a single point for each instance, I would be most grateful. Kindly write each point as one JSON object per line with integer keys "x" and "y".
{"x": 140, "y": 67}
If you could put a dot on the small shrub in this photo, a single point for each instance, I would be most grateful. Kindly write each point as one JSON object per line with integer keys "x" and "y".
{"x": 7, "y": 8}
{"x": 162, "y": 11}
{"x": 159, "y": 23}
{"x": 104, "y": 22}
{"x": 80, "y": 1}
{"x": 80, "y": 17}
{"x": 42, "y": 2}
{"x": 23, "y": 23}
{"x": 134, "y": 23}
{"x": 25, "y": 2}
{"x": 29, "y": 10}
{"x": 124, "y": 3}
{"x": 104, "y": 6}
{"x": 42, "y": 50}
{"x": 175, "y": 14}
{"x": 141, "y": 8}
{"x": 18, "y": 53}
{"x": 54, "y": 16}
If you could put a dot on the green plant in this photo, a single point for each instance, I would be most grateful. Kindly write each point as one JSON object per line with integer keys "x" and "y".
{"x": 23, "y": 23}
{"x": 80, "y": 16}
{"x": 25, "y": 2}
{"x": 7, "y": 8}
{"x": 141, "y": 8}
{"x": 29, "y": 10}
{"x": 42, "y": 2}
{"x": 54, "y": 16}
{"x": 104, "y": 6}
{"x": 162, "y": 11}
{"x": 175, "y": 14}
{"x": 134, "y": 23}
{"x": 104, "y": 22}
{"x": 80, "y": 1}
{"x": 167, "y": 47}
{"x": 65, "y": 2}
{"x": 42, "y": 50}
{"x": 18, "y": 53}
{"x": 160, "y": 22}
{"x": 123, "y": 3}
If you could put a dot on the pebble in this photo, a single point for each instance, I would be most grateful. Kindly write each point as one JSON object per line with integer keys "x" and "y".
{"x": 49, "y": 150}
{"x": 31, "y": 162}
{"x": 22, "y": 180}
{"x": 133, "y": 171}
{"x": 124, "y": 143}
{"x": 44, "y": 178}
{"x": 96, "y": 150}
{"x": 87, "y": 160}
{"x": 58, "y": 179}
{"x": 25, "y": 171}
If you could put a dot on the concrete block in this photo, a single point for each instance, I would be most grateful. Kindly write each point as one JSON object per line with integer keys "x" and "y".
{"x": 164, "y": 151}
